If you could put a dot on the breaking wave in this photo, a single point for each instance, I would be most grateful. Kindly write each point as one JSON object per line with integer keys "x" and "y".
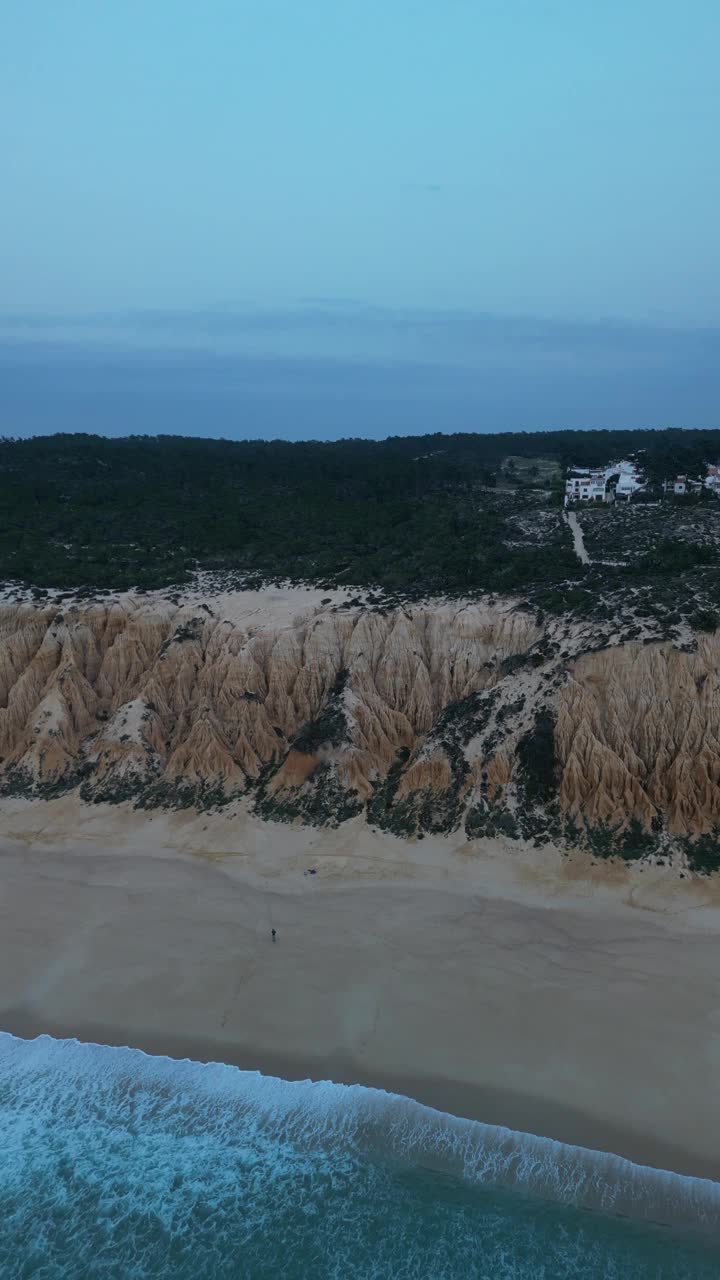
{"x": 117, "y": 1163}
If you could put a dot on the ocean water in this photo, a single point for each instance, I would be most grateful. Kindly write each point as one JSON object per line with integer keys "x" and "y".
{"x": 117, "y": 1164}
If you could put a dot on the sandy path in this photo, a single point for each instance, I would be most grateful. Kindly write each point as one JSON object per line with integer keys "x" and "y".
{"x": 567, "y": 1011}
{"x": 578, "y": 543}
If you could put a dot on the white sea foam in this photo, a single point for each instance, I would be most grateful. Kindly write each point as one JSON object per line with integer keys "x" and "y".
{"x": 209, "y": 1102}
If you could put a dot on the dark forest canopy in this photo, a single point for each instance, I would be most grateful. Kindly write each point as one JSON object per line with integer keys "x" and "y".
{"x": 412, "y": 513}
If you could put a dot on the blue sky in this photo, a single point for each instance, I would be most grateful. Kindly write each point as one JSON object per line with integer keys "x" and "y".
{"x": 480, "y": 213}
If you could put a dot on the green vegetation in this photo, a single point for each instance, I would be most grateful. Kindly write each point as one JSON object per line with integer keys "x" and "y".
{"x": 415, "y": 515}
{"x": 491, "y": 820}
{"x": 706, "y": 620}
{"x": 380, "y": 811}
{"x": 330, "y": 726}
{"x": 537, "y": 764}
{"x": 325, "y": 804}
{"x": 636, "y": 843}
{"x": 703, "y": 853}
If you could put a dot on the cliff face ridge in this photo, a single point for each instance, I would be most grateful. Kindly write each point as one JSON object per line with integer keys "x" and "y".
{"x": 423, "y": 718}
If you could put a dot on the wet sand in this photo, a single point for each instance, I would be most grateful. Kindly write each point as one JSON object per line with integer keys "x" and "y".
{"x": 518, "y": 988}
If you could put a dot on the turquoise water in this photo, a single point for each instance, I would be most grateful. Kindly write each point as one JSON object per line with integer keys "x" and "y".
{"x": 116, "y": 1164}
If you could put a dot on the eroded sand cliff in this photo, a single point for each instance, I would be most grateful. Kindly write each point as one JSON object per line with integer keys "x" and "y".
{"x": 425, "y": 717}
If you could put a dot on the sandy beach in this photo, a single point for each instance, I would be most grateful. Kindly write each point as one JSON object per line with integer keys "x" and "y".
{"x": 522, "y": 988}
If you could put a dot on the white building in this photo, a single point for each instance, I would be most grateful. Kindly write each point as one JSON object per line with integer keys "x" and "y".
{"x": 629, "y": 480}
{"x": 584, "y": 485}
{"x": 684, "y": 484}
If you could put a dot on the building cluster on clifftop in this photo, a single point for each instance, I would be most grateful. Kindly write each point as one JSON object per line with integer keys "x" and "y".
{"x": 622, "y": 480}
{"x": 603, "y": 484}
{"x": 682, "y": 485}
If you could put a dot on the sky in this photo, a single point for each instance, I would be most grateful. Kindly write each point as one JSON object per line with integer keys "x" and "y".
{"x": 253, "y": 217}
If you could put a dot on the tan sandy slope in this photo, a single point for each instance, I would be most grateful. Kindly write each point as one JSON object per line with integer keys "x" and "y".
{"x": 211, "y": 693}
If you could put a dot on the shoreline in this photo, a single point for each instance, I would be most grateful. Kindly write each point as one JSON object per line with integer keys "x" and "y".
{"x": 500, "y": 1109}
{"x": 505, "y": 987}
